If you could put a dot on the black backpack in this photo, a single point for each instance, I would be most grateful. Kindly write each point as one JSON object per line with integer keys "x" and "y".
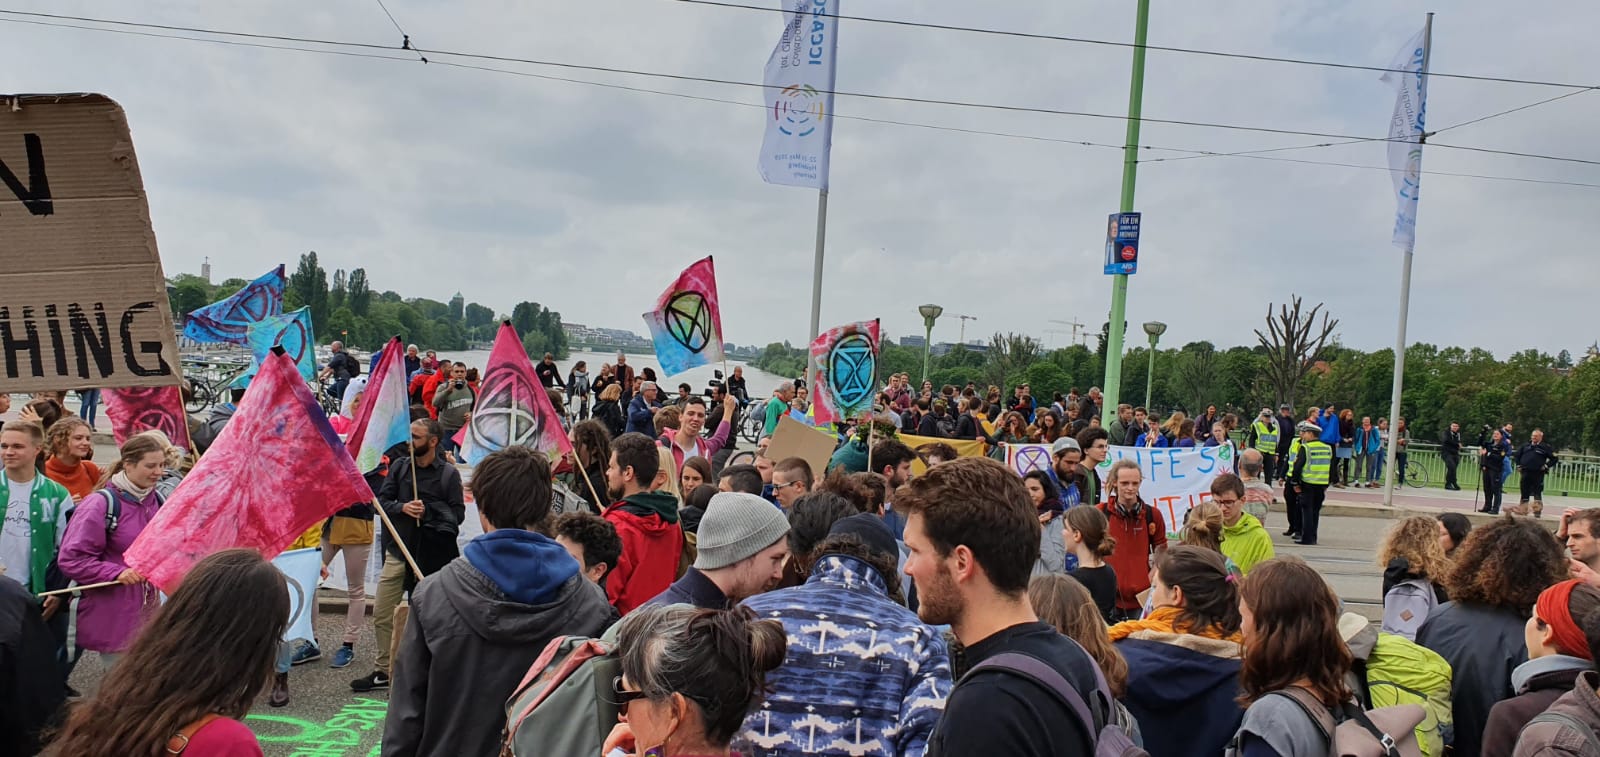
{"x": 1109, "y": 739}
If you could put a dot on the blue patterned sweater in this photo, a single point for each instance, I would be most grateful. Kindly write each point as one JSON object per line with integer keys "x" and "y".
{"x": 863, "y": 675}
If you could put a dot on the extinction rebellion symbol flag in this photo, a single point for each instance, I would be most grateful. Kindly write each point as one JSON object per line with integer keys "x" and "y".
{"x": 846, "y": 363}
{"x": 687, "y": 322}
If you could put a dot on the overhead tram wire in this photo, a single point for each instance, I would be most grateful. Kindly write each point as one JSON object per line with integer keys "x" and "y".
{"x": 405, "y": 39}
{"x": 1160, "y": 48}
{"x": 733, "y": 82}
{"x": 912, "y": 124}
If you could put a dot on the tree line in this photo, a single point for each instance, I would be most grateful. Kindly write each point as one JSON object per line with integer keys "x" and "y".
{"x": 345, "y": 307}
{"x": 1297, "y": 359}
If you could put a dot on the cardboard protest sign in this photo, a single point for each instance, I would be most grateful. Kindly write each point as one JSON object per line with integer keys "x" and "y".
{"x": 796, "y": 439}
{"x": 83, "y": 302}
{"x": 1175, "y": 478}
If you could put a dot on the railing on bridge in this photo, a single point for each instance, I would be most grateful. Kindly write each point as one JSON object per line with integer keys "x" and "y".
{"x": 1574, "y": 476}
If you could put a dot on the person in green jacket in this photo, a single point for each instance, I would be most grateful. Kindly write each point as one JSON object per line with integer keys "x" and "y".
{"x": 1244, "y": 540}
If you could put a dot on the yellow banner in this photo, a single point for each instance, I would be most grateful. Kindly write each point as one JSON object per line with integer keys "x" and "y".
{"x": 963, "y": 448}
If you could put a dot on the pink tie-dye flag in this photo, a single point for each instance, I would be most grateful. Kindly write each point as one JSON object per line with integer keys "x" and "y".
{"x": 384, "y": 416}
{"x": 134, "y": 410}
{"x": 513, "y": 408}
{"x": 276, "y": 469}
{"x": 686, "y": 325}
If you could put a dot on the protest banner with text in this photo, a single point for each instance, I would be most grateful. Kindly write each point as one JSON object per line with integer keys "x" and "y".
{"x": 83, "y": 302}
{"x": 1175, "y": 478}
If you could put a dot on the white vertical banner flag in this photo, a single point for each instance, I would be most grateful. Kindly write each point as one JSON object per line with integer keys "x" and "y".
{"x": 798, "y": 88}
{"x": 1405, "y": 135}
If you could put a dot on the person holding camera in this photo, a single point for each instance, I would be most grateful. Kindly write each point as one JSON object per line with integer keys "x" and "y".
{"x": 454, "y": 401}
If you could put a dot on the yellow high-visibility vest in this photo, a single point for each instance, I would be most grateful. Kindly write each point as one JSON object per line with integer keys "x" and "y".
{"x": 1267, "y": 437}
{"x": 1319, "y": 461}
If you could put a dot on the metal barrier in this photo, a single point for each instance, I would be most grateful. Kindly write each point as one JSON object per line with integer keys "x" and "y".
{"x": 1574, "y": 476}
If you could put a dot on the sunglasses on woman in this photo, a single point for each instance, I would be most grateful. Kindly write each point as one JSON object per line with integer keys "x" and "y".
{"x": 622, "y": 696}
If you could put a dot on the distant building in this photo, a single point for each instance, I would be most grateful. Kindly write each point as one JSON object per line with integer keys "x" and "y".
{"x": 205, "y": 270}
{"x": 913, "y": 341}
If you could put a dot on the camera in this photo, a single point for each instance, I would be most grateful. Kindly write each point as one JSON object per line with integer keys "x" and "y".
{"x": 459, "y": 383}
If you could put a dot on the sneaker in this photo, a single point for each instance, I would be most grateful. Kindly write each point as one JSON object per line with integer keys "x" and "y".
{"x": 342, "y": 657}
{"x": 377, "y": 680}
{"x": 306, "y": 652}
{"x": 280, "y": 691}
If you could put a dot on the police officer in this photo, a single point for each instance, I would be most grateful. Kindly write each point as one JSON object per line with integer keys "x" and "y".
{"x": 1308, "y": 477}
{"x": 1263, "y": 437}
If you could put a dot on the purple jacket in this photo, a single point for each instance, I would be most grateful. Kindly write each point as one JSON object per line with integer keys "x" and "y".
{"x": 108, "y": 617}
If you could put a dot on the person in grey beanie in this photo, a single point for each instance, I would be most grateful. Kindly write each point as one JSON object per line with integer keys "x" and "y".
{"x": 741, "y": 551}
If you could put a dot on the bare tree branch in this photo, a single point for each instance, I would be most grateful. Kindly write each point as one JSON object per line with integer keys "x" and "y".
{"x": 1293, "y": 341}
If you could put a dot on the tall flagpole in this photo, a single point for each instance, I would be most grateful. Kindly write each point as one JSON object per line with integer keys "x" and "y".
{"x": 816, "y": 283}
{"x": 1405, "y": 305}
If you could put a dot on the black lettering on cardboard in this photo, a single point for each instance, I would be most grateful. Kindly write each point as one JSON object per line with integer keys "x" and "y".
{"x": 85, "y": 342}
{"x": 145, "y": 348}
{"x": 36, "y": 196}
{"x": 12, "y": 345}
{"x": 57, "y": 345}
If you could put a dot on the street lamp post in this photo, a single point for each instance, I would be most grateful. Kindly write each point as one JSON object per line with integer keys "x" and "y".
{"x": 1155, "y": 329}
{"x": 930, "y": 313}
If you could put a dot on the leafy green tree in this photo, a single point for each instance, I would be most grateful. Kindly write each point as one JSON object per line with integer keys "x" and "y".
{"x": 478, "y": 315}
{"x": 189, "y": 295}
{"x": 359, "y": 293}
{"x": 310, "y": 282}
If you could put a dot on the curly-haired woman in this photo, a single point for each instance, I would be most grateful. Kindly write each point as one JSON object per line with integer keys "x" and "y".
{"x": 1411, "y": 552}
{"x": 1498, "y": 575}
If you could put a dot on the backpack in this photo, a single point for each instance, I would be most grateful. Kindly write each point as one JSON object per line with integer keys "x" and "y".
{"x": 1407, "y": 605}
{"x": 1569, "y": 723}
{"x": 565, "y": 704}
{"x": 1110, "y": 740}
{"x": 113, "y": 508}
{"x": 1370, "y": 733}
{"x": 1400, "y": 672}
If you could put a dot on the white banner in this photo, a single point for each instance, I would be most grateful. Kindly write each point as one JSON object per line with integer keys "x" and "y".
{"x": 1405, "y": 135}
{"x": 798, "y": 87}
{"x": 302, "y": 568}
{"x": 1175, "y": 478}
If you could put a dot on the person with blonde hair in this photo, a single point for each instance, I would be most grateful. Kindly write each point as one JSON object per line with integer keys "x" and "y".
{"x": 104, "y": 525}
{"x": 1203, "y": 526}
{"x": 1064, "y": 602}
{"x": 69, "y": 445}
{"x": 1414, "y": 562}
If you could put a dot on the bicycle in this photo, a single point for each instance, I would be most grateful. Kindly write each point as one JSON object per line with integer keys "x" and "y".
{"x": 753, "y": 422}
{"x": 1416, "y": 475}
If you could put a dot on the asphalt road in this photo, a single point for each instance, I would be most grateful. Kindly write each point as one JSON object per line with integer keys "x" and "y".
{"x": 325, "y": 719}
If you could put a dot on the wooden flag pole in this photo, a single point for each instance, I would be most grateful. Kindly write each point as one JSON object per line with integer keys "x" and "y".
{"x": 585, "y": 475}
{"x": 71, "y": 589}
{"x": 401, "y": 543}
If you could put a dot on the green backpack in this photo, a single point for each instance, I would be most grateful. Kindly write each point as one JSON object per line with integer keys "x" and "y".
{"x": 1401, "y": 671}
{"x": 565, "y": 704}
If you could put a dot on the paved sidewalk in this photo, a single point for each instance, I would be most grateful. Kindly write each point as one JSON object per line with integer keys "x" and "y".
{"x": 1368, "y": 503}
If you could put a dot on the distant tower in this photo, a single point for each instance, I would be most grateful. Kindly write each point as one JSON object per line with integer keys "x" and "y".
{"x": 457, "y": 306}
{"x": 205, "y": 270}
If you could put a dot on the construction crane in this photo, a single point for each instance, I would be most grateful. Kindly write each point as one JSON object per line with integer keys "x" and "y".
{"x": 1076, "y": 329}
{"x": 964, "y": 319}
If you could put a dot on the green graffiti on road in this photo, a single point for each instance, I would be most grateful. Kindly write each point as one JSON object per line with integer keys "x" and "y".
{"x": 335, "y": 738}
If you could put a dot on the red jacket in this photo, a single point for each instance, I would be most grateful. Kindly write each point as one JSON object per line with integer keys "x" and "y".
{"x": 1137, "y": 537}
{"x": 429, "y": 387}
{"x": 652, "y": 543}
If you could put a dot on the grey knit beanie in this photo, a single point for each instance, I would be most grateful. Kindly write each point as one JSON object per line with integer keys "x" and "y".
{"x": 736, "y": 526}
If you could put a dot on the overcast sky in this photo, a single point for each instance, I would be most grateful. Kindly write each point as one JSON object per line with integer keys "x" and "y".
{"x": 589, "y": 199}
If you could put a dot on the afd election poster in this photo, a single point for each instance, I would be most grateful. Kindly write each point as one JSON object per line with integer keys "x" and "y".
{"x": 1175, "y": 478}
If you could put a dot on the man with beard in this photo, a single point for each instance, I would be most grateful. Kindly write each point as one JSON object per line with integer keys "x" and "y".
{"x": 1580, "y": 531}
{"x": 974, "y": 539}
{"x": 1065, "y": 459}
{"x": 740, "y": 553}
{"x": 893, "y": 459}
{"x": 1095, "y": 446}
{"x": 646, "y": 521}
{"x": 427, "y": 523}
{"x": 1141, "y": 535}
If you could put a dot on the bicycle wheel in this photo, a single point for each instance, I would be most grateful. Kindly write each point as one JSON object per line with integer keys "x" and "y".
{"x": 750, "y": 427}
{"x": 747, "y": 457}
{"x": 201, "y": 396}
{"x": 1416, "y": 475}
